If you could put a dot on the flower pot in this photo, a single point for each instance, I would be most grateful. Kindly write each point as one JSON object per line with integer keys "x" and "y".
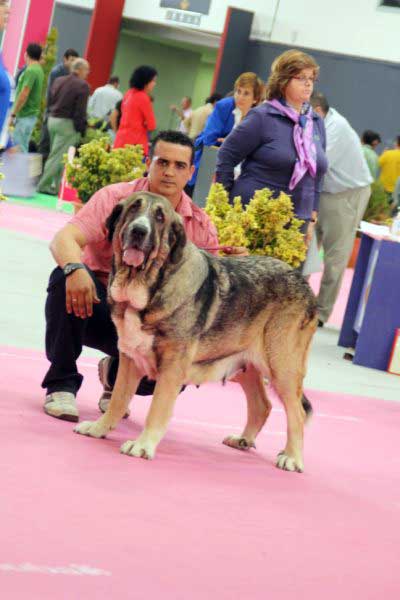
{"x": 354, "y": 255}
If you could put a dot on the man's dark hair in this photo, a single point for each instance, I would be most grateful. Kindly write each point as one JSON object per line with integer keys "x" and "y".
{"x": 142, "y": 76}
{"x": 173, "y": 137}
{"x": 34, "y": 51}
{"x": 113, "y": 79}
{"x": 369, "y": 137}
{"x": 214, "y": 98}
{"x": 71, "y": 52}
{"x": 318, "y": 99}
{"x": 398, "y": 140}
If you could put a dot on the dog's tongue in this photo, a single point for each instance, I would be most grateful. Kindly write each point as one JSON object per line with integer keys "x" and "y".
{"x": 133, "y": 257}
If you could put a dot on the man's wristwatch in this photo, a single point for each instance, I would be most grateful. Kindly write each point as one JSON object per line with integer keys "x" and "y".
{"x": 71, "y": 267}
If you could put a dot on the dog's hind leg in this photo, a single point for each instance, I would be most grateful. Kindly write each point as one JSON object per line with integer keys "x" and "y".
{"x": 288, "y": 357}
{"x": 126, "y": 384}
{"x": 290, "y": 392}
{"x": 258, "y": 408}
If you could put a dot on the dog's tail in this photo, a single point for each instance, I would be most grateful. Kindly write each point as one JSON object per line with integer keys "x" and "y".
{"x": 307, "y": 407}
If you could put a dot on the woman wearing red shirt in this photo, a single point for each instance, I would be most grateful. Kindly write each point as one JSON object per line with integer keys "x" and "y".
{"x": 137, "y": 118}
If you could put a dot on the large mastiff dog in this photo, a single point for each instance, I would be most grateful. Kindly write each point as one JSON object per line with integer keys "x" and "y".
{"x": 185, "y": 316}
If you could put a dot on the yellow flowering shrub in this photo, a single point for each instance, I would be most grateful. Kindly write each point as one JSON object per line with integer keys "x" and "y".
{"x": 97, "y": 165}
{"x": 262, "y": 226}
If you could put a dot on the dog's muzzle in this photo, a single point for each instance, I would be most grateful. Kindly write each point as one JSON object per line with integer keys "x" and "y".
{"x": 136, "y": 243}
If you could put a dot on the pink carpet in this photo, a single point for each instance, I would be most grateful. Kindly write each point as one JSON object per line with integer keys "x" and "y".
{"x": 201, "y": 521}
{"x": 36, "y": 222}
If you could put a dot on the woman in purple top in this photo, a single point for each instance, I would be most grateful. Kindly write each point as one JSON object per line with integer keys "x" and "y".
{"x": 281, "y": 142}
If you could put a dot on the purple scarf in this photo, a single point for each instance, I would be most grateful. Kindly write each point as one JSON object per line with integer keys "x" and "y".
{"x": 303, "y": 141}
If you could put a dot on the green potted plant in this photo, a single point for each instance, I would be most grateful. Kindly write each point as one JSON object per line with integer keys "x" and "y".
{"x": 97, "y": 165}
{"x": 261, "y": 227}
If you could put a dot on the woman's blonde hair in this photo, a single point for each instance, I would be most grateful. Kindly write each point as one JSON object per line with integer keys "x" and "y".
{"x": 252, "y": 80}
{"x": 284, "y": 68}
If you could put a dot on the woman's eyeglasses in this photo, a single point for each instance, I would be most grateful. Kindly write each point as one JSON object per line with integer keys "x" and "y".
{"x": 303, "y": 79}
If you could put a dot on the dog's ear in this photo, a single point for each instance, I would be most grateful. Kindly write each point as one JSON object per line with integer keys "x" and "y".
{"x": 177, "y": 241}
{"x": 112, "y": 221}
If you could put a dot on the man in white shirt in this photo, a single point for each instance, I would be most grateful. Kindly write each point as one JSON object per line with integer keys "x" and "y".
{"x": 184, "y": 112}
{"x": 104, "y": 99}
{"x": 344, "y": 198}
{"x": 195, "y": 123}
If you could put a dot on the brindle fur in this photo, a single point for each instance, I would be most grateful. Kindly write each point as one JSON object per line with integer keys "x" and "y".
{"x": 189, "y": 317}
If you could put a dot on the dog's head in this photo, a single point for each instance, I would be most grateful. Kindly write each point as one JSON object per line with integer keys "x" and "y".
{"x": 145, "y": 227}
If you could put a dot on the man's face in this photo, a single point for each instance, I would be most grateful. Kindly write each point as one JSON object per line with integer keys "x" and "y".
{"x": 319, "y": 111}
{"x": 4, "y": 13}
{"x": 83, "y": 72}
{"x": 185, "y": 103}
{"x": 68, "y": 62}
{"x": 169, "y": 170}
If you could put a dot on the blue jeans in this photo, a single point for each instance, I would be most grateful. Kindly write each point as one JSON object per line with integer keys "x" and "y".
{"x": 23, "y": 131}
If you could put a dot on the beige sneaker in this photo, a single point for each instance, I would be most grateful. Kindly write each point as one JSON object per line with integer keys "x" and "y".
{"x": 61, "y": 405}
{"x": 105, "y": 398}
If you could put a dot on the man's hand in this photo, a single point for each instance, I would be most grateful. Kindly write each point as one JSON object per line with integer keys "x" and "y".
{"x": 236, "y": 251}
{"x": 80, "y": 293}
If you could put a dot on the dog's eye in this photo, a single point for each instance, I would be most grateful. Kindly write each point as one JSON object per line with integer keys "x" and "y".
{"x": 137, "y": 204}
{"x": 160, "y": 215}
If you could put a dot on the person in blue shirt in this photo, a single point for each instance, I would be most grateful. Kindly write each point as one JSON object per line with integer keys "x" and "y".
{"x": 5, "y": 85}
{"x": 228, "y": 112}
{"x": 5, "y": 97}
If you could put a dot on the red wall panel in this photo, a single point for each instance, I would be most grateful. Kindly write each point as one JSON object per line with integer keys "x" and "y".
{"x": 103, "y": 39}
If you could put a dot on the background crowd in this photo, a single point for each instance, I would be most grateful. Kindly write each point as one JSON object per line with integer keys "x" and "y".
{"x": 281, "y": 135}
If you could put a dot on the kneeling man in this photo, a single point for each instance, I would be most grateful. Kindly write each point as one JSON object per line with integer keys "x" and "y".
{"x": 77, "y": 312}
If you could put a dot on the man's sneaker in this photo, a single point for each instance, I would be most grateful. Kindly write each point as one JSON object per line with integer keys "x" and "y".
{"x": 61, "y": 405}
{"x": 105, "y": 398}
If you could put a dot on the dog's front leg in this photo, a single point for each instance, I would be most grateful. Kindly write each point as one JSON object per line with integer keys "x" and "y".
{"x": 125, "y": 386}
{"x": 167, "y": 389}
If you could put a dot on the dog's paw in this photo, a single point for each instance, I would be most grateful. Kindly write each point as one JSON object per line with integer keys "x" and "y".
{"x": 238, "y": 442}
{"x": 91, "y": 429}
{"x": 139, "y": 449}
{"x": 288, "y": 463}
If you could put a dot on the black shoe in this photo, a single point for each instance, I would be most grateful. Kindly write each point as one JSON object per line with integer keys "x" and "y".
{"x": 103, "y": 372}
{"x": 147, "y": 386}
